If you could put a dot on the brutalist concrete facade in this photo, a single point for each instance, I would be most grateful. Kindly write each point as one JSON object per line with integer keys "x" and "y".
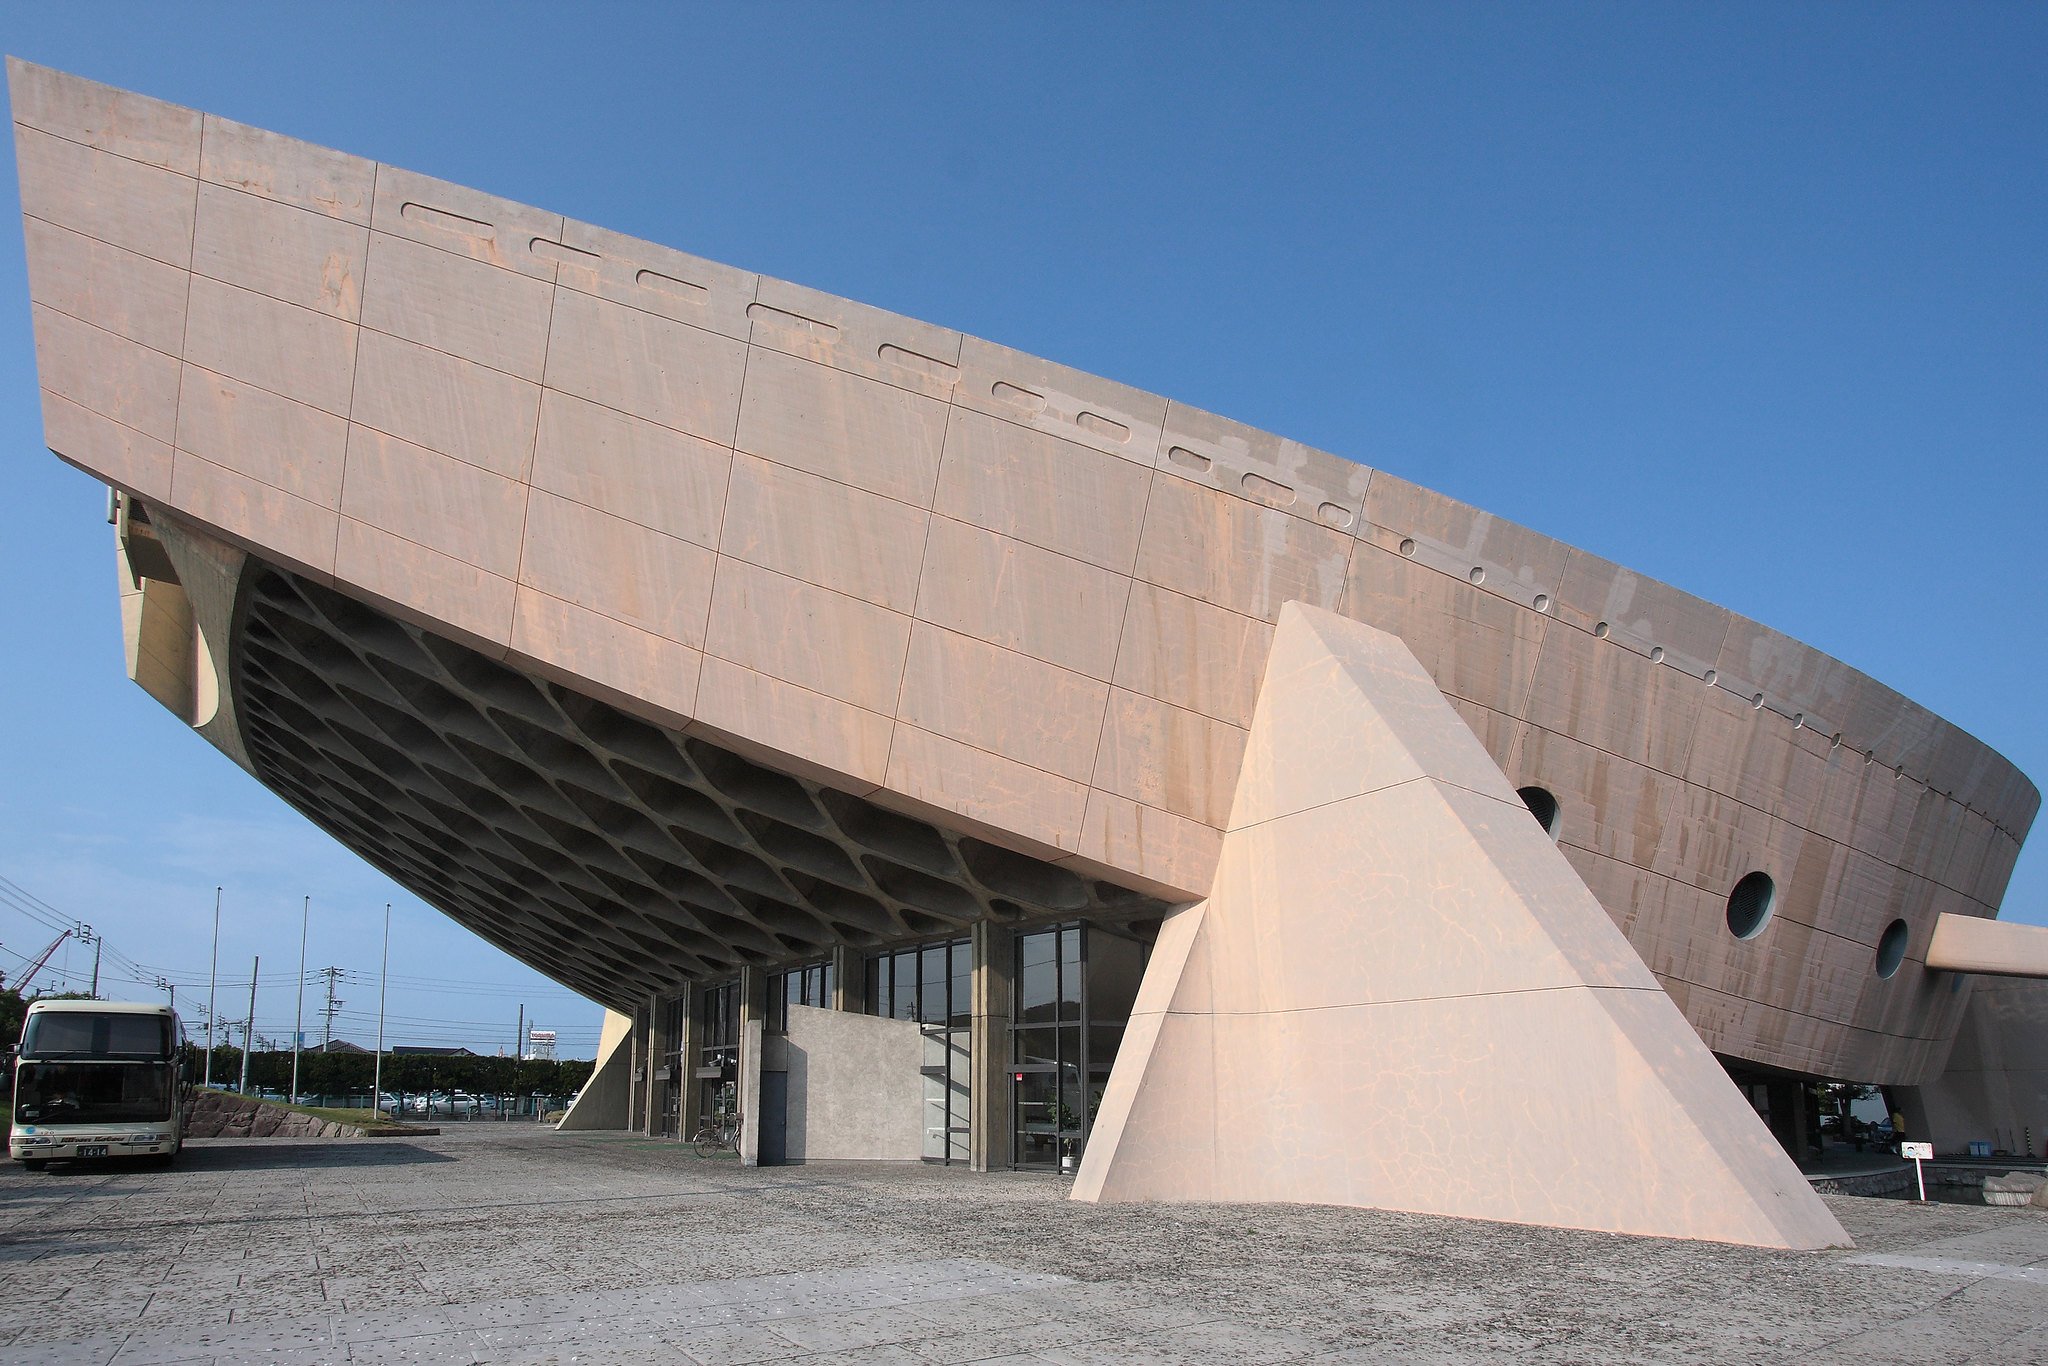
{"x": 669, "y": 624}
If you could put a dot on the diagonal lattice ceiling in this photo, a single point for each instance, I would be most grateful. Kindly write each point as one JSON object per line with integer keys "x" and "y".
{"x": 615, "y": 856}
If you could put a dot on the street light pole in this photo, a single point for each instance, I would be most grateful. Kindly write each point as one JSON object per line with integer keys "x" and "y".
{"x": 299, "y": 1024}
{"x": 383, "y": 973}
{"x": 212, "y": 980}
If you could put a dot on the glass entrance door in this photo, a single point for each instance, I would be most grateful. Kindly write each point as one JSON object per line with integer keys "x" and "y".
{"x": 671, "y": 1070}
{"x": 933, "y": 985}
{"x": 718, "y": 1052}
{"x": 1074, "y": 988}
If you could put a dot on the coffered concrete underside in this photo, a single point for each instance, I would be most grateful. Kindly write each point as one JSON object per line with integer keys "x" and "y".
{"x": 1023, "y": 605}
{"x": 625, "y": 858}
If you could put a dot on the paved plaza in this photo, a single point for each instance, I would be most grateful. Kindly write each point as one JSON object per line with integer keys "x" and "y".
{"x": 503, "y": 1243}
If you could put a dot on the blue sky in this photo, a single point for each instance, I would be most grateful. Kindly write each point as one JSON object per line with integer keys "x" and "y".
{"x": 1753, "y": 299}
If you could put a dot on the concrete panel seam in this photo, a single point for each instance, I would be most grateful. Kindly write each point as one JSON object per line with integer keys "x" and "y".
{"x": 1781, "y": 912}
{"x": 526, "y": 483}
{"x": 1475, "y": 994}
{"x": 1710, "y": 678}
{"x": 923, "y": 568}
{"x": 87, "y": 322}
{"x": 1727, "y": 796}
{"x": 1124, "y": 618}
{"x": 104, "y": 151}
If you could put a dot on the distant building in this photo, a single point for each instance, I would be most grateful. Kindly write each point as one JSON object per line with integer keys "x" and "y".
{"x": 420, "y": 1050}
{"x": 336, "y": 1046}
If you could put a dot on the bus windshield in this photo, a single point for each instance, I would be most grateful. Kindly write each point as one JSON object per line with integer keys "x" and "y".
{"x": 88, "y": 1034}
{"x": 92, "y": 1092}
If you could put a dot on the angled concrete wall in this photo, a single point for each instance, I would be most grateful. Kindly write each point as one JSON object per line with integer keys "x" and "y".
{"x": 605, "y": 1100}
{"x": 1400, "y": 995}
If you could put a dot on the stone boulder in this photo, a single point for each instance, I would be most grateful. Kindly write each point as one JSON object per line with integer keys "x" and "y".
{"x": 216, "y": 1114}
{"x": 2013, "y": 1188}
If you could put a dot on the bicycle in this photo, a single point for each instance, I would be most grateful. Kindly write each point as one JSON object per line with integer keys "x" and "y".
{"x": 716, "y": 1133}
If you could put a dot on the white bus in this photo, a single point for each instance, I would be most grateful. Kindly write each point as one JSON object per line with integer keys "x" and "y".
{"x": 98, "y": 1079}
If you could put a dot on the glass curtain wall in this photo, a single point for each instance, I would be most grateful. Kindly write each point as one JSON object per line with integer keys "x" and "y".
{"x": 933, "y": 985}
{"x": 1074, "y": 989}
{"x": 809, "y": 985}
{"x": 718, "y": 1048}
{"x": 672, "y": 1068}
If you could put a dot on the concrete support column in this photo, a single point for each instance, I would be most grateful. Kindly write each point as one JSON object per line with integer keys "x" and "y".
{"x": 753, "y": 1022}
{"x": 658, "y": 1046}
{"x": 849, "y": 980}
{"x": 643, "y": 1065}
{"x": 1788, "y": 1115}
{"x": 994, "y": 949}
{"x": 692, "y": 1054}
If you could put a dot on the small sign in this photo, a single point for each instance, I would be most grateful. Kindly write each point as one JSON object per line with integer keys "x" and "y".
{"x": 1917, "y": 1151}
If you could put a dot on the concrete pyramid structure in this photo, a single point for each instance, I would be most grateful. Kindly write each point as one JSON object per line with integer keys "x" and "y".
{"x": 1400, "y": 995}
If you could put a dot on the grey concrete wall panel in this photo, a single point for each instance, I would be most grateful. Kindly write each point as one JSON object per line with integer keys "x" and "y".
{"x": 1017, "y": 608}
{"x": 855, "y": 1088}
{"x": 1994, "y": 1088}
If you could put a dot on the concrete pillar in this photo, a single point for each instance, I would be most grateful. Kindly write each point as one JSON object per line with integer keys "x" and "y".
{"x": 994, "y": 949}
{"x": 753, "y": 1021}
{"x": 1788, "y": 1115}
{"x": 658, "y": 1046}
{"x": 849, "y": 980}
{"x": 692, "y": 1054}
{"x": 643, "y": 1066}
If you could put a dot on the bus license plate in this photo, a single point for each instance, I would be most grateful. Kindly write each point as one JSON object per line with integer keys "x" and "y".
{"x": 92, "y": 1150}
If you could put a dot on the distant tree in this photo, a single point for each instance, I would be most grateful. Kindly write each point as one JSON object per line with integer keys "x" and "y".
{"x": 12, "y": 1011}
{"x": 537, "y": 1076}
{"x": 492, "y": 1076}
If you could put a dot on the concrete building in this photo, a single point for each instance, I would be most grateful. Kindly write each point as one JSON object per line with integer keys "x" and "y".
{"x": 934, "y": 752}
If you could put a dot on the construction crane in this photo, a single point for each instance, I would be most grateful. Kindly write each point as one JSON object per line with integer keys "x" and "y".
{"x": 37, "y": 966}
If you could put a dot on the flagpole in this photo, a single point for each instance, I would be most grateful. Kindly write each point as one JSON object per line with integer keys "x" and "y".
{"x": 212, "y": 980}
{"x": 383, "y": 977}
{"x": 299, "y": 1025}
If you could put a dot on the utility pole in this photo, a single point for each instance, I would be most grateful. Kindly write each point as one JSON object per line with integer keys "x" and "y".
{"x": 383, "y": 973}
{"x": 212, "y": 980}
{"x": 83, "y": 933}
{"x": 249, "y": 1027}
{"x": 519, "y": 1037}
{"x": 333, "y": 1006}
{"x": 299, "y": 1023}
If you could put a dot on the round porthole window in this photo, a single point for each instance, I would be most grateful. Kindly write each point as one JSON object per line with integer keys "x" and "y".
{"x": 1891, "y": 948}
{"x": 1542, "y": 806}
{"x": 1750, "y": 905}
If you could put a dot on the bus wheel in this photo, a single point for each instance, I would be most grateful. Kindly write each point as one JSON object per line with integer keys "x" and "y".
{"x": 35, "y": 1164}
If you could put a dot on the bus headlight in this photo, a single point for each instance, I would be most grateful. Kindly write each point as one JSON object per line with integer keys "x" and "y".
{"x": 33, "y": 1140}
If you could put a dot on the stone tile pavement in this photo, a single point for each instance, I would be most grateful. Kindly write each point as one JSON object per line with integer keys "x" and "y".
{"x": 517, "y": 1244}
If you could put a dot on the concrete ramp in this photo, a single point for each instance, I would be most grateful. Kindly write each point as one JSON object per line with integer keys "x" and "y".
{"x": 1399, "y": 995}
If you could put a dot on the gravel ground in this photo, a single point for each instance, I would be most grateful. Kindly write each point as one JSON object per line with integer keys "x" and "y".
{"x": 514, "y": 1243}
